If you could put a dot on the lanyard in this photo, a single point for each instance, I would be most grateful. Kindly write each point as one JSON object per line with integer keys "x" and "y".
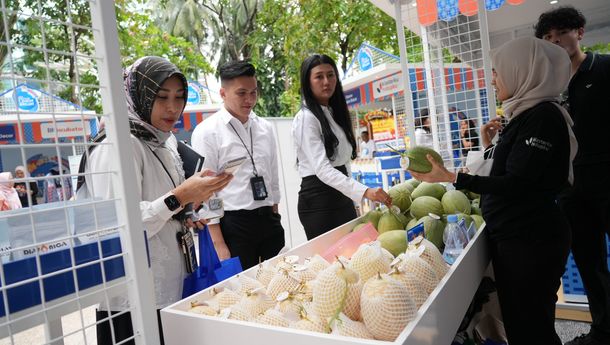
{"x": 251, "y": 147}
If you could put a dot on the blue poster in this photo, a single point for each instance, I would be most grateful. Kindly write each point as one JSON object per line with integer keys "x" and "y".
{"x": 352, "y": 97}
{"x": 365, "y": 59}
{"x": 193, "y": 94}
{"x": 26, "y": 99}
{"x": 7, "y": 133}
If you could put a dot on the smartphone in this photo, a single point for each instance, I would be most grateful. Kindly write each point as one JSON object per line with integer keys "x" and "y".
{"x": 231, "y": 166}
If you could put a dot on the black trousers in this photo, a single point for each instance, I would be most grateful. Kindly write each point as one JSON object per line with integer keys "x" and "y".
{"x": 528, "y": 274}
{"x": 123, "y": 328}
{"x": 253, "y": 235}
{"x": 323, "y": 208}
{"x": 587, "y": 208}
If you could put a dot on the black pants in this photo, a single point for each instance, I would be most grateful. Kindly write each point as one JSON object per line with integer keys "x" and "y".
{"x": 323, "y": 208}
{"x": 528, "y": 273}
{"x": 123, "y": 328}
{"x": 587, "y": 208}
{"x": 253, "y": 235}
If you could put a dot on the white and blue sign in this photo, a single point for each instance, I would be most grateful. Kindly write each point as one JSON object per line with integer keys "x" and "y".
{"x": 352, "y": 97}
{"x": 26, "y": 99}
{"x": 365, "y": 59}
{"x": 7, "y": 133}
{"x": 193, "y": 94}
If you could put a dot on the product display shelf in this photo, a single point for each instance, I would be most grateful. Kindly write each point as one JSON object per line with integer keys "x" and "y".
{"x": 435, "y": 323}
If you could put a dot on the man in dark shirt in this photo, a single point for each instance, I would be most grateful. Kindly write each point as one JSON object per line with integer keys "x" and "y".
{"x": 586, "y": 204}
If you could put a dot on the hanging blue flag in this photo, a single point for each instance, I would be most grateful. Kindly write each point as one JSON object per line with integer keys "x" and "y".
{"x": 447, "y": 9}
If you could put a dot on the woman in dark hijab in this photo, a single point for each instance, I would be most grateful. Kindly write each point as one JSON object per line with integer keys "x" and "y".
{"x": 156, "y": 95}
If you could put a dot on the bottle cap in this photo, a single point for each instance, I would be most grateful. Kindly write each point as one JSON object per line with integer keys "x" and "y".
{"x": 452, "y": 218}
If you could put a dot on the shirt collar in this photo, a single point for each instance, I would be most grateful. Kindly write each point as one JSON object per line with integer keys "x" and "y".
{"x": 227, "y": 117}
{"x": 588, "y": 63}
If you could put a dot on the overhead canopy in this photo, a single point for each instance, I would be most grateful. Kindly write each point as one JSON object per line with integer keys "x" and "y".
{"x": 506, "y": 21}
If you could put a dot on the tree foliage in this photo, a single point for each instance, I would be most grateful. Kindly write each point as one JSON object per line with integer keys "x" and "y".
{"x": 66, "y": 67}
{"x": 289, "y": 30}
{"x": 220, "y": 27}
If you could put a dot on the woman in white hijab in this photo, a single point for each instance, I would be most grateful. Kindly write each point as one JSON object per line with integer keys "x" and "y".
{"x": 529, "y": 238}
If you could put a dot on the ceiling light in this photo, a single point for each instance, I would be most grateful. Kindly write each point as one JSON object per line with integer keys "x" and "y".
{"x": 553, "y": 2}
{"x": 414, "y": 3}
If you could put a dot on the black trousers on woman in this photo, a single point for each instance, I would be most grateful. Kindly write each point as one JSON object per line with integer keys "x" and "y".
{"x": 323, "y": 208}
{"x": 528, "y": 272}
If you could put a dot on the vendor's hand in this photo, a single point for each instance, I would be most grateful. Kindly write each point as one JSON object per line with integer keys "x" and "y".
{"x": 222, "y": 250}
{"x": 198, "y": 224}
{"x": 379, "y": 195}
{"x": 438, "y": 173}
{"x": 201, "y": 187}
{"x": 489, "y": 130}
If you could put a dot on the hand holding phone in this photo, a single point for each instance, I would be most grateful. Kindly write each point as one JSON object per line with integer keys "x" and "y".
{"x": 231, "y": 166}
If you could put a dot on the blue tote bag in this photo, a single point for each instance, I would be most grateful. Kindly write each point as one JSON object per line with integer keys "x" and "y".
{"x": 211, "y": 270}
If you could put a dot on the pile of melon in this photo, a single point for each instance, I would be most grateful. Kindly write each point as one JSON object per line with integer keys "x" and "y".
{"x": 422, "y": 202}
{"x": 372, "y": 295}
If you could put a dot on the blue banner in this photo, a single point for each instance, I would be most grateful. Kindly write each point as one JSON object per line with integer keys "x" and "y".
{"x": 7, "y": 133}
{"x": 352, "y": 97}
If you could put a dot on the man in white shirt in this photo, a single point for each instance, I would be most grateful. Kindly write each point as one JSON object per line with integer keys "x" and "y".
{"x": 251, "y": 227}
{"x": 367, "y": 145}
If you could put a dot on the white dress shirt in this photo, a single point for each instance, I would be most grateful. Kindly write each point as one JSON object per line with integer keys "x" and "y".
{"x": 153, "y": 185}
{"x": 423, "y": 138}
{"x": 367, "y": 149}
{"x": 311, "y": 155}
{"x": 216, "y": 140}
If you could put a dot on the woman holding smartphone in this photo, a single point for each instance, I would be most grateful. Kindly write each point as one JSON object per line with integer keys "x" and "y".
{"x": 325, "y": 145}
{"x": 156, "y": 95}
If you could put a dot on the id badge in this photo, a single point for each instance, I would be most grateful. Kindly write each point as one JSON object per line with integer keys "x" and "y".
{"x": 212, "y": 209}
{"x": 187, "y": 245}
{"x": 259, "y": 191}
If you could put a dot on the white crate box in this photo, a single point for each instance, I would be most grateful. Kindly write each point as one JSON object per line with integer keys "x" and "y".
{"x": 436, "y": 322}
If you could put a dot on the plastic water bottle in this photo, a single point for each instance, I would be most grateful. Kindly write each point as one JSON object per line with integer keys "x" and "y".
{"x": 464, "y": 228}
{"x": 454, "y": 238}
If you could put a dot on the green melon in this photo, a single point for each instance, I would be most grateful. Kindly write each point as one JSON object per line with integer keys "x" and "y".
{"x": 466, "y": 216}
{"x": 401, "y": 196}
{"x": 388, "y": 222}
{"x": 478, "y": 220}
{"x": 475, "y": 210}
{"x": 404, "y": 220}
{"x": 455, "y": 201}
{"x": 372, "y": 216}
{"x": 434, "y": 190}
{"x": 359, "y": 226}
{"x": 411, "y": 223}
{"x": 424, "y": 205}
{"x": 413, "y": 183}
{"x": 394, "y": 241}
{"x": 418, "y": 161}
{"x": 433, "y": 229}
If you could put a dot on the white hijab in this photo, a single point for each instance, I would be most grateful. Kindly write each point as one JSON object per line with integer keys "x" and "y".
{"x": 534, "y": 71}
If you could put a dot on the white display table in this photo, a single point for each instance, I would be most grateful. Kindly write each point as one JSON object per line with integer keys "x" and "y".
{"x": 436, "y": 322}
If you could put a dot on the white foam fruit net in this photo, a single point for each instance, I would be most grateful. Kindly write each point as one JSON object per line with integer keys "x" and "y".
{"x": 420, "y": 269}
{"x": 369, "y": 260}
{"x": 434, "y": 257}
{"x": 350, "y": 328}
{"x": 331, "y": 290}
{"x": 386, "y": 307}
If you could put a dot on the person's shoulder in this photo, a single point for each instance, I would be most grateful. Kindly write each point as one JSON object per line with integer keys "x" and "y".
{"x": 547, "y": 112}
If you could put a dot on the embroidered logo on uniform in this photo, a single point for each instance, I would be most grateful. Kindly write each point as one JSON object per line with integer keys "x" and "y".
{"x": 538, "y": 144}
{"x": 588, "y": 85}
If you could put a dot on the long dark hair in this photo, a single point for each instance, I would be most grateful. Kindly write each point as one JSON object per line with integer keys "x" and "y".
{"x": 337, "y": 103}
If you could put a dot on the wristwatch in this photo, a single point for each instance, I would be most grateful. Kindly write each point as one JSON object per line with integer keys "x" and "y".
{"x": 172, "y": 202}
